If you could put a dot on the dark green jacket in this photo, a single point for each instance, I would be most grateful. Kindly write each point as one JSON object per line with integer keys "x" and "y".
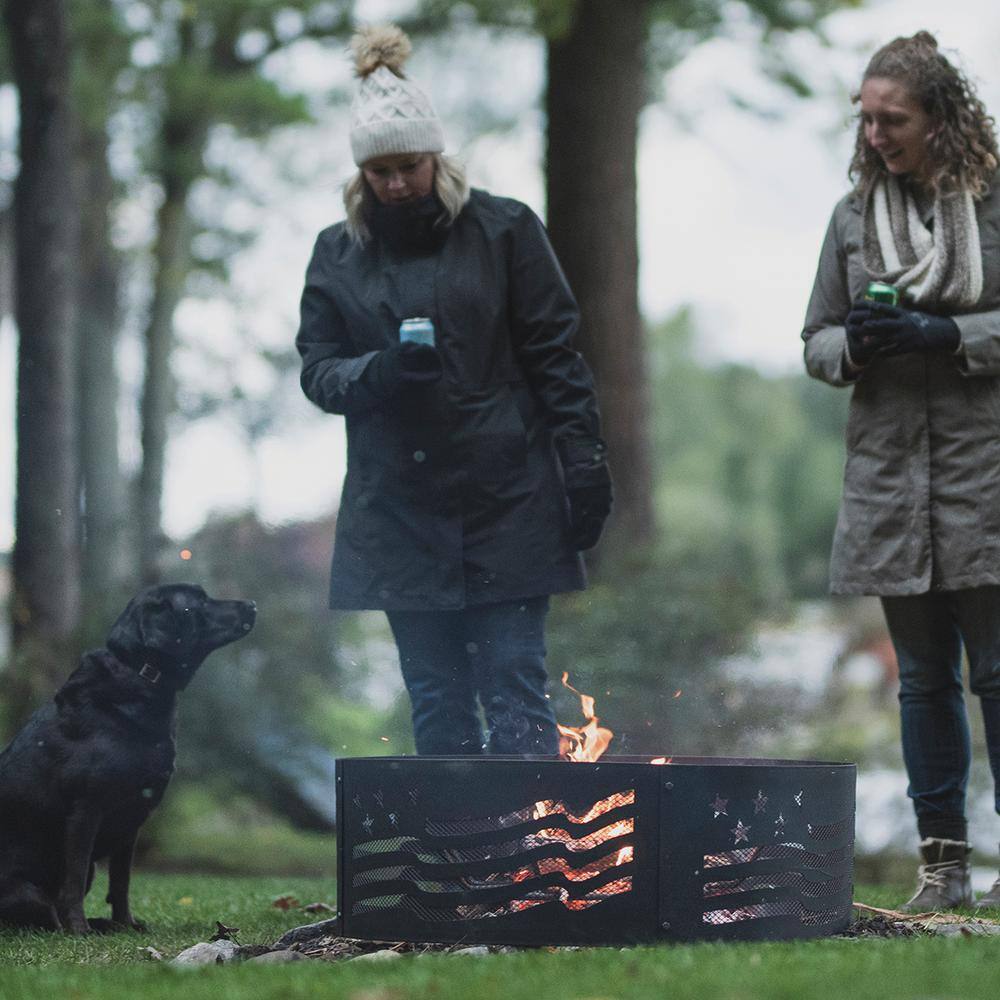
{"x": 453, "y": 494}
{"x": 921, "y": 501}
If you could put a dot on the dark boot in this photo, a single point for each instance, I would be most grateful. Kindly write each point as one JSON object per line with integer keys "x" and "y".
{"x": 990, "y": 900}
{"x": 943, "y": 879}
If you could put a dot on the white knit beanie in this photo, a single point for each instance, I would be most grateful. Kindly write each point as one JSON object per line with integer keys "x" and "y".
{"x": 390, "y": 114}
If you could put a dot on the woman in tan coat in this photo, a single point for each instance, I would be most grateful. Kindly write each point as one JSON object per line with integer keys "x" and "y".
{"x": 919, "y": 524}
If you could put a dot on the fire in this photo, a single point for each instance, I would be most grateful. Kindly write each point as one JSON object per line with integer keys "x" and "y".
{"x": 538, "y": 881}
{"x": 587, "y": 742}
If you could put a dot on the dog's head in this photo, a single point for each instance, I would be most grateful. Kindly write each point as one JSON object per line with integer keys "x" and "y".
{"x": 169, "y": 630}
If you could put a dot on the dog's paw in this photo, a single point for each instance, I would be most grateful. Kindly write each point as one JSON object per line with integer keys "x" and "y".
{"x": 103, "y": 925}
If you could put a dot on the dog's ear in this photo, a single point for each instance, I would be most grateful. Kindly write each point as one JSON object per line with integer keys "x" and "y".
{"x": 144, "y": 624}
{"x": 157, "y": 624}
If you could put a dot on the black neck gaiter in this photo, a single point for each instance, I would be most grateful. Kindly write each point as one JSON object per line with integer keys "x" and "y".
{"x": 413, "y": 227}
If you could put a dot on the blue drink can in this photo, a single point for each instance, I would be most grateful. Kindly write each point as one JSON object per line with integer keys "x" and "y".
{"x": 419, "y": 330}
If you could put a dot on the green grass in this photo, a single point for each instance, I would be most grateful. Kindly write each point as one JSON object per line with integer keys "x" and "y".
{"x": 183, "y": 909}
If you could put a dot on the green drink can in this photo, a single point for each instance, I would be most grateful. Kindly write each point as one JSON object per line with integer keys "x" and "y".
{"x": 879, "y": 291}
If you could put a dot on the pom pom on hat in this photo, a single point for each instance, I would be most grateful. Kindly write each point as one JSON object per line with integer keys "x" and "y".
{"x": 380, "y": 45}
{"x": 390, "y": 113}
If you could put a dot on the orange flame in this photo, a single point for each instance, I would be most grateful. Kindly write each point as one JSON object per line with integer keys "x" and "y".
{"x": 542, "y": 867}
{"x": 586, "y": 742}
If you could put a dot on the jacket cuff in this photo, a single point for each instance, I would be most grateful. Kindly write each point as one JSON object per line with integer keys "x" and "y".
{"x": 581, "y": 451}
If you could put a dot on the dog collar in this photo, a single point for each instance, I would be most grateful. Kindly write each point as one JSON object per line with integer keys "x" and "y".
{"x": 149, "y": 673}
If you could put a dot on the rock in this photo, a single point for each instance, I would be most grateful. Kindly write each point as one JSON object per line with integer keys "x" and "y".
{"x": 386, "y": 955}
{"x": 476, "y": 951}
{"x": 308, "y": 932}
{"x": 207, "y": 953}
{"x": 278, "y": 957}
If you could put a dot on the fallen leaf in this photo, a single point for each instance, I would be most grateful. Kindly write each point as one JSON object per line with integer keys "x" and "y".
{"x": 285, "y": 903}
{"x": 319, "y": 908}
{"x": 152, "y": 954}
{"x": 185, "y": 901}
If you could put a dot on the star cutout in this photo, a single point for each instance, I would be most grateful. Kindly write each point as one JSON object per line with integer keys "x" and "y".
{"x": 779, "y": 825}
{"x": 719, "y": 806}
{"x": 759, "y": 803}
{"x": 740, "y": 832}
{"x": 798, "y": 799}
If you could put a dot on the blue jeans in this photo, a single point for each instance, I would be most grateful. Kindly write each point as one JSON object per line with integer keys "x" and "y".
{"x": 928, "y": 632}
{"x": 492, "y": 652}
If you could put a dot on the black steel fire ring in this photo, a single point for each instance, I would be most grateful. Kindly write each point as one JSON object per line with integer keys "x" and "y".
{"x": 523, "y": 851}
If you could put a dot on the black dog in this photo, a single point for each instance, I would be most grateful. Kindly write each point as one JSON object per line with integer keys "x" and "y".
{"x": 90, "y": 766}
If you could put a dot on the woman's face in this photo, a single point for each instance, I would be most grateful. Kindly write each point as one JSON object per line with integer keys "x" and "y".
{"x": 895, "y": 125}
{"x": 400, "y": 177}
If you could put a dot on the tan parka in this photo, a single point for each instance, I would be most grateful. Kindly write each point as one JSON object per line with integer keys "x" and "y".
{"x": 921, "y": 501}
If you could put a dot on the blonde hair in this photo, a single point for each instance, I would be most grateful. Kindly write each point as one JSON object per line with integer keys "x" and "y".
{"x": 962, "y": 153}
{"x": 450, "y": 185}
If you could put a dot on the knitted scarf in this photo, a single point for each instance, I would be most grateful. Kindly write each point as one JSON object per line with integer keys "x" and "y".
{"x": 940, "y": 267}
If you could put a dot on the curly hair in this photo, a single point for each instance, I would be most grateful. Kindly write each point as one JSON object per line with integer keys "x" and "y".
{"x": 962, "y": 153}
{"x": 450, "y": 185}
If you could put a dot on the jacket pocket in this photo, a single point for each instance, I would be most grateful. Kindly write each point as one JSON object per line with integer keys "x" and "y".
{"x": 491, "y": 436}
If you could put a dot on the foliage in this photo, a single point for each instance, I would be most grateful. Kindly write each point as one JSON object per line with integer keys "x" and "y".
{"x": 751, "y": 467}
{"x": 749, "y": 476}
{"x": 676, "y": 26}
{"x": 207, "y": 827}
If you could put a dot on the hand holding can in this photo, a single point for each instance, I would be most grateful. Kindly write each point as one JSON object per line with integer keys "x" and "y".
{"x": 417, "y": 330}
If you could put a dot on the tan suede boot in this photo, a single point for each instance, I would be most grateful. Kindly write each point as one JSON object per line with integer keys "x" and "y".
{"x": 943, "y": 880}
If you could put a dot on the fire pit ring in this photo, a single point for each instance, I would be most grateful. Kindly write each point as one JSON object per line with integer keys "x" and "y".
{"x": 533, "y": 850}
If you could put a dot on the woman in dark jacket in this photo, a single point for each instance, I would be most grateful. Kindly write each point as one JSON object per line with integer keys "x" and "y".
{"x": 919, "y": 524}
{"x": 475, "y": 468}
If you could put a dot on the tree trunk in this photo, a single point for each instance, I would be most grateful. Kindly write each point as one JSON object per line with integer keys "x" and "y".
{"x": 171, "y": 265}
{"x": 596, "y": 89}
{"x": 100, "y": 54}
{"x": 103, "y": 485}
{"x": 45, "y": 601}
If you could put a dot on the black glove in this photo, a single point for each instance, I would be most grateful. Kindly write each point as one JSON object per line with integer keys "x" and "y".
{"x": 402, "y": 364}
{"x": 863, "y": 344}
{"x": 902, "y": 331}
{"x": 588, "y": 490}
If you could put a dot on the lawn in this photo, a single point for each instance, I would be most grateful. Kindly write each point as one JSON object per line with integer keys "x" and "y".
{"x": 183, "y": 909}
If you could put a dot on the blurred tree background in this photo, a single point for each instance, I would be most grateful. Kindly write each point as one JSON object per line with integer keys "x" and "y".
{"x": 175, "y": 119}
